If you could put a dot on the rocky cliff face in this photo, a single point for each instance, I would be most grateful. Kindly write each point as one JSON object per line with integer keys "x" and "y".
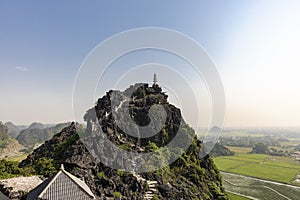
{"x": 189, "y": 177}
{"x": 66, "y": 148}
{"x": 138, "y": 98}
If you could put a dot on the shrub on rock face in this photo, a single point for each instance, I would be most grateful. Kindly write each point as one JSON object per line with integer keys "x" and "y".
{"x": 45, "y": 167}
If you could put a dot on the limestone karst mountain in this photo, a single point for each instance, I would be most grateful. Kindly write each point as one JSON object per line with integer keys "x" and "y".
{"x": 189, "y": 177}
{"x": 14, "y": 130}
{"x": 36, "y": 125}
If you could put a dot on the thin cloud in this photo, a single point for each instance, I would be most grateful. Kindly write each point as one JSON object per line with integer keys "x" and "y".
{"x": 21, "y": 68}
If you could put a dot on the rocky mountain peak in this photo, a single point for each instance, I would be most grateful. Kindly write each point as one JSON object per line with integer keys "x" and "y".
{"x": 122, "y": 116}
{"x": 136, "y": 110}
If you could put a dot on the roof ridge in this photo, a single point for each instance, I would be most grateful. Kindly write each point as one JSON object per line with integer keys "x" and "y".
{"x": 80, "y": 183}
{"x": 84, "y": 187}
{"x": 50, "y": 183}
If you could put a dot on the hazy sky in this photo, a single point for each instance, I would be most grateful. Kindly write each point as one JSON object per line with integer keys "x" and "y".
{"x": 254, "y": 44}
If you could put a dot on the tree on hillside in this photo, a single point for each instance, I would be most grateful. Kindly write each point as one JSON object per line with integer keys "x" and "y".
{"x": 220, "y": 150}
{"x": 260, "y": 148}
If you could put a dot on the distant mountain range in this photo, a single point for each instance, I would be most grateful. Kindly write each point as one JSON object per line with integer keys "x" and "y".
{"x": 14, "y": 130}
{"x": 38, "y": 133}
{"x": 26, "y": 137}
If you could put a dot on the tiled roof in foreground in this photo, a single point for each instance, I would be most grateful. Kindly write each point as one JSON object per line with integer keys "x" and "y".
{"x": 62, "y": 186}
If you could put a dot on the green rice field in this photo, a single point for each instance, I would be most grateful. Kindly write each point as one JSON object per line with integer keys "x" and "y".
{"x": 281, "y": 169}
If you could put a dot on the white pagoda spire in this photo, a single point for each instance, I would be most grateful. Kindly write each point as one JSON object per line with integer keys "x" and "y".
{"x": 154, "y": 79}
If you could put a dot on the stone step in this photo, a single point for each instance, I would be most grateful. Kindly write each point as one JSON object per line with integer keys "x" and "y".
{"x": 152, "y": 186}
{"x": 151, "y": 182}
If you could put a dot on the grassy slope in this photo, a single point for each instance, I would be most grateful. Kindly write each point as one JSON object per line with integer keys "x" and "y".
{"x": 12, "y": 148}
{"x": 17, "y": 158}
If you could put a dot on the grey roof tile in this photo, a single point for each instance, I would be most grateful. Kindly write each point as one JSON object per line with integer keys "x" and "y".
{"x": 62, "y": 186}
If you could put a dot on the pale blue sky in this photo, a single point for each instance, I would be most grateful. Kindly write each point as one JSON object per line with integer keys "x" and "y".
{"x": 43, "y": 43}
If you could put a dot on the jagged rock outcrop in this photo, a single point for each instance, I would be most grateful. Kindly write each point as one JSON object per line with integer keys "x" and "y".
{"x": 189, "y": 177}
{"x": 138, "y": 98}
